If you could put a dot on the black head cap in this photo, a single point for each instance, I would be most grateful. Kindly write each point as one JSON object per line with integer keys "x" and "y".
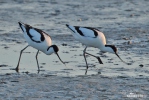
{"x": 56, "y": 49}
{"x": 113, "y": 47}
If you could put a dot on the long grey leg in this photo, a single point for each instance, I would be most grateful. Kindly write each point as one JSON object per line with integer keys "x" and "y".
{"x": 84, "y": 51}
{"x": 17, "y": 68}
{"x": 37, "y": 60}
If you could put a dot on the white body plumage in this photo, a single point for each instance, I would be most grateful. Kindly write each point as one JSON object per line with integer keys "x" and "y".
{"x": 39, "y": 40}
{"x": 92, "y": 37}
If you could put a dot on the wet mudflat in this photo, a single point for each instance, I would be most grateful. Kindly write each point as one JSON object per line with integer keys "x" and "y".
{"x": 124, "y": 23}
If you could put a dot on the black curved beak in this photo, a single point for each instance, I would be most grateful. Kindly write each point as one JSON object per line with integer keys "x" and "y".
{"x": 60, "y": 58}
{"x": 121, "y": 59}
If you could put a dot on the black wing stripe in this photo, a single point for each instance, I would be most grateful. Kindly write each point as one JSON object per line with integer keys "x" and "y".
{"x": 41, "y": 33}
{"x": 78, "y": 30}
{"x": 93, "y": 29}
{"x": 28, "y": 27}
{"x": 81, "y": 33}
{"x": 28, "y": 33}
{"x": 38, "y": 30}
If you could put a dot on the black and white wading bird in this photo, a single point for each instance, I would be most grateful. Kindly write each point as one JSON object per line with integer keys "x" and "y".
{"x": 92, "y": 37}
{"x": 39, "y": 40}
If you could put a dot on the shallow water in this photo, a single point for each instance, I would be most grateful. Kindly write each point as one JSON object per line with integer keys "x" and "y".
{"x": 75, "y": 64}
